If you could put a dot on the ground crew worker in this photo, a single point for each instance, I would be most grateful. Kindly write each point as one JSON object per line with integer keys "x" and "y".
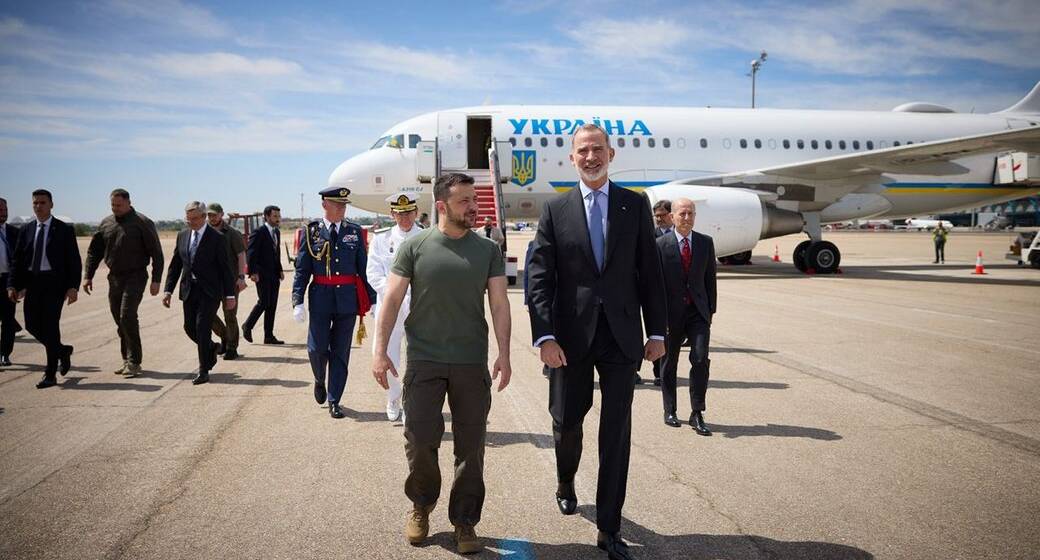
{"x": 332, "y": 261}
{"x": 380, "y": 256}
{"x": 939, "y": 238}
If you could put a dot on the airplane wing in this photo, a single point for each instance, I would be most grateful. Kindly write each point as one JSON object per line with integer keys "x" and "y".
{"x": 828, "y": 179}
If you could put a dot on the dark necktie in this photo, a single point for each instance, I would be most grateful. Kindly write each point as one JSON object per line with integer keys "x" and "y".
{"x": 38, "y": 244}
{"x": 194, "y": 245}
{"x": 275, "y": 236}
{"x": 687, "y": 256}
{"x": 596, "y": 230}
{"x": 332, "y": 233}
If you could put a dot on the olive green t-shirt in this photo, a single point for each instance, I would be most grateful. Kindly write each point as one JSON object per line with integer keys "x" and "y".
{"x": 448, "y": 279}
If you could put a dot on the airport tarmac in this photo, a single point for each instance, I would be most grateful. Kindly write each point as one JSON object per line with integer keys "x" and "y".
{"x": 886, "y": 412}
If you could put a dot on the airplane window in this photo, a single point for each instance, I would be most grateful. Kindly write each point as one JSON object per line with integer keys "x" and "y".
{"x": 380, "y": 143}
{"x": 801, "y": 144}
{"x": 787, "y": 144}
{"x": 841, "y": 144}
{"x": 397, "y": 141}
{"x": 527, "y": 142}
{"x": 855, "y": 144}
{"x": 559, "y": 142}
{"x": 815, "y": 145}
{"x": 413, "y": 141}
{"x": 896, "y": 143}
{"x": 650, "y": 142}
{"x": 908, "y": 142}
{"x": 545, "y": 142}
{"x": 743, "y": 143}
{"x": 704, "y": 142}
{"x": 666, "y": 143}
{"x": 827, "y": 144}
{"x": 758, "y": 143}
{"x": 621, "y": 142}
{"x": 726, "y": 143}
{"x": 513, "y": 141}
{"x": 635, "y": 142}
{"x": 870, "y": 144}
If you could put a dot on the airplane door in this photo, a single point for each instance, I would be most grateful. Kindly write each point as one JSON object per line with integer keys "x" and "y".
{"x": 451, "y": 136}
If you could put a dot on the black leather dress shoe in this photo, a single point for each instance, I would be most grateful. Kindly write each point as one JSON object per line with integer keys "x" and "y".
{"x": 657, "y": 382}
{"x": 65, "y": 361}
{"x": 221, "y": 349}
{"x": 200, "y": 378}
{"x": 671, "y": 420}
{"x": 335, "y": 411}
{"x": 566, "y": 500}
{"x": 248, "y": 335}
{"x": 47, "y": 381}
{"x": 212, "y": 359}
{"x": 319, "y": 392}
{"x": 615, "y": 547}
{"x": 697, "y": 421}
{"x": 273, "y": 340}
{"x": 231, "y": 355}
{"x": 638, "y": 379}
{"x": 5, "y": 361}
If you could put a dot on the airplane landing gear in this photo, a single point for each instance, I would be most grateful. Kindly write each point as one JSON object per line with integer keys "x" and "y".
{"x": 814, "y": 255}
{"x": 737, "y": 259}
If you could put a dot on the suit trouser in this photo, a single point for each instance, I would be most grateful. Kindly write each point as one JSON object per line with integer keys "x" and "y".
{"x": 228, "y": 333}
{"x": 393, "y": 349}
{"x": 44, "y": 300}
{"x": 8, "y": 324}
{"x": 570, "y": 398}
{"x": 697, "y": 331}
{"x": 199, "y": 311}
{"x": 468, "y": 388}
{"x": 328, "y": 346}
{"x": 125, "y": 292}
{"x": 266, "y": 304}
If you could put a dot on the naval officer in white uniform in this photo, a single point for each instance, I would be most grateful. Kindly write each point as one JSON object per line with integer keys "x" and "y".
{"x": 381, "y": 255}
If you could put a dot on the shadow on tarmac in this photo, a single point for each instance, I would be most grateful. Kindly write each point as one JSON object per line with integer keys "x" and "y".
{"x": 774, "y": 430}
{"x": 952, "y": 273}
{"x": 74, "y": 383}
{"x": 272, "y": 359}
{"x": 645, "y": 544}
{"x": 226, "y": 378}
{"x": 502, "y": 439}
{"x": 729, "y": 350}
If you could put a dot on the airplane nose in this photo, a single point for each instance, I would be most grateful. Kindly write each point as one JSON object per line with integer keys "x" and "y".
{"x": 372, "y": 176}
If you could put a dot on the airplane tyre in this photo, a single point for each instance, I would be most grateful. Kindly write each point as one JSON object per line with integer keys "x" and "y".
{"x": 739, "y": 258}
{"x": 799, "y": 255}
{"x": 824, "y": 257}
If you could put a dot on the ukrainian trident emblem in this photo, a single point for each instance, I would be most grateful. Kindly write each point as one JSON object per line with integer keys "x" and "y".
{"x": 523, "y": 167}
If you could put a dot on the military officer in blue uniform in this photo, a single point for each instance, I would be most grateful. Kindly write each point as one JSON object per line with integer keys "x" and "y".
{"x": 332, "y": 261}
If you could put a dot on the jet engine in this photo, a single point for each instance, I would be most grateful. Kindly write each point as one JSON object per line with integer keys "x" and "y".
{"x": 735, "y": 218}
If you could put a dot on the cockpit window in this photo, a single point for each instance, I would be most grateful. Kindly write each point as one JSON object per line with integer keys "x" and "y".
{"x": 413, "y": 140}
{"x": 396, "y": 141}
{"x": 380, "y": 143}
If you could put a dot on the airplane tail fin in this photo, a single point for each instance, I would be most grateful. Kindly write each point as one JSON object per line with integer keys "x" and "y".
{"x": 1029, "y": 104}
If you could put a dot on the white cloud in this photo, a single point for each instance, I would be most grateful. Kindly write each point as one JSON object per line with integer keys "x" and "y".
{"x": 259, "y": 135}
{"x": 424, "y": 65}
{"x": 223, "y": 64}
{"x": 174, "y": 15}
{"x": 629, "y": 40}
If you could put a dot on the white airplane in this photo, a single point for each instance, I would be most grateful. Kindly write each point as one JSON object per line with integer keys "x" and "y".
{"x": 754, "y": 173}
{"x": 920, "y": 224}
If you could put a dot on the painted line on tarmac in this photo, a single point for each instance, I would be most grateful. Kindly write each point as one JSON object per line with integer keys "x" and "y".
{"x": 941, "y": 415}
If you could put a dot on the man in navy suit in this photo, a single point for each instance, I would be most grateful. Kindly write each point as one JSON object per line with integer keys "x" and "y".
{"x": 594, "y": 267}
{"x": 331, "y": 265}
{"x": 46, "y": 272}
{"x": 8, "y": 324}
{"x": 265, "y": 270}
{"x": 202, "y": 265}
{"x": 688, "y": 262}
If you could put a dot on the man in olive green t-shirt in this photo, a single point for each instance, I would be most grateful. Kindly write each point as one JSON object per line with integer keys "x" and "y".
{"x": 449, "y": 268}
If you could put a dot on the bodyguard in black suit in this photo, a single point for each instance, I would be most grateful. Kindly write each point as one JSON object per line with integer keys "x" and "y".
{"x": 593, "y": 268}
{"x": 202, "y": 265}
{"x": 265, "y": 270}
{"x": 46, "y": 272}
{"x": 8, "y": 324}
{"x": 688, "y": 262}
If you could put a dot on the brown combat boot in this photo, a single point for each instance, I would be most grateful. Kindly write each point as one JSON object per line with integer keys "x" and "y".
{"x": 418, "y": 526}
{"x": 466, "y": 540}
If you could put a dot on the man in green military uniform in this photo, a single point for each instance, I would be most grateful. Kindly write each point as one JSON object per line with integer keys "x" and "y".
{"x": 236, "y": 247}
{"x": 126, "y": 241}
{"x": 939, "y": 238}
{"x": 331, "y": 267}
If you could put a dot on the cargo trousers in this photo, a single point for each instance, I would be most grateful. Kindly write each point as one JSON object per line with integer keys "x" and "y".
{"x": 468, "y": 389}
{"x": 125, "y": 292}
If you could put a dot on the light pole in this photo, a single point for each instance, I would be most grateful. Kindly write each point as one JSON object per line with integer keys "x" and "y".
{"x": 756, "y": 65}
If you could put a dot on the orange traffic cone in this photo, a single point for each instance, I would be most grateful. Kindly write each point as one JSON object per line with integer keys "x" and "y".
{"x": 776, "y": 254}
{"x": 979, "y": 269}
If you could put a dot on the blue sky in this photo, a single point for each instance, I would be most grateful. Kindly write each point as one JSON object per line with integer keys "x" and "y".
{"x": 251, "y": 103}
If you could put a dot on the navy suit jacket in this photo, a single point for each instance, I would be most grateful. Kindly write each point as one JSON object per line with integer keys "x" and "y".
{"x": 566, "y": 291}
{"x": 211, "y": 268}
{"x": 62, "y": 254}
{"x": 262, "y": 254}
{"x": 699, "y": 283}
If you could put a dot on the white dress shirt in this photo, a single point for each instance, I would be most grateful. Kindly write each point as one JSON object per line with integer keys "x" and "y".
{"x": 5, "y": 260}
